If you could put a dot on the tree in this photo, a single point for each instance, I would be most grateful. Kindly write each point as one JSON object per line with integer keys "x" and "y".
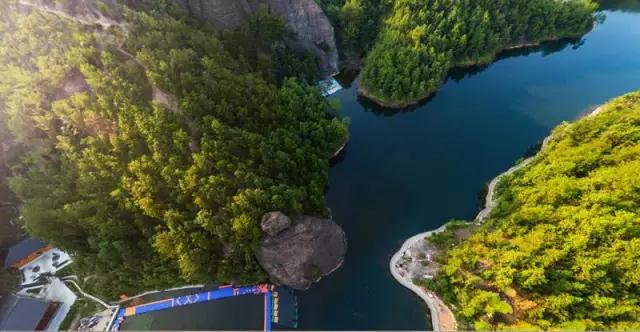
{"x": 561, "y": 249}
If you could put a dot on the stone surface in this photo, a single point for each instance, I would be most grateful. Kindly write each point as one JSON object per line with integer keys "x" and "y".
{"x": 304, "y": 17}
{"x": 274, "y": 223}
{"x": 223, "y": 14}
{"x": 74, "y": 83}
{"x": 304, "y": 252}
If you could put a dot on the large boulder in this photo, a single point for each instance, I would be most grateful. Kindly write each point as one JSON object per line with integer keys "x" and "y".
{"x": 304, "y": 17}
{"x": 274, "y": 223}
{"x": 302, "y": 253}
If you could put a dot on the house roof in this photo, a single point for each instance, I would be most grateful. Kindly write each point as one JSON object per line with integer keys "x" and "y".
{"x": 21, "y": 250}
{"x": 21, "y": 313}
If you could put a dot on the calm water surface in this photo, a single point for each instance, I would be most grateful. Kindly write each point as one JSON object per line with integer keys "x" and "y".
{"x": 405, "y": 173}
{"x": 408, "y": 172}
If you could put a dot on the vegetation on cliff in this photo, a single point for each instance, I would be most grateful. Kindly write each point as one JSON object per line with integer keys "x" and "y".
{"x": 357, "y": 22}
{"x": 411, "y": 44}
{"x": 151, "y": 149}
{"x": 562, "y": 248}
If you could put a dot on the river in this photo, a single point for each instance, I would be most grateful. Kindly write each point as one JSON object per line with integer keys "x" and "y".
{"x": 410, "y": 171}
{"x": 407, "y": 172}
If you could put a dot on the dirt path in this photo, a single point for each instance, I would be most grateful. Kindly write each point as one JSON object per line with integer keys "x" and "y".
{"x": 442, "y": 317}
{"x": 490, "y": 201}
{"x": 71, "y": 281}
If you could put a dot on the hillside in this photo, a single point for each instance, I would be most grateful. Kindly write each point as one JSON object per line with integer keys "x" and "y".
{"x": 411, "y": 45}
{"x": 150, "y": 145}
{"x": 562, "y": 248}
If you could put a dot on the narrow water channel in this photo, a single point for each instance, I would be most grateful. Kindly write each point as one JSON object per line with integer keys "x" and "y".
{"x": 411, "y": 171}
{"x": 407, "y": 172}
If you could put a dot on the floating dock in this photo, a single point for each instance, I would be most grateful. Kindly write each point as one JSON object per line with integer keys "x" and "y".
{"x": 280, "y": 304}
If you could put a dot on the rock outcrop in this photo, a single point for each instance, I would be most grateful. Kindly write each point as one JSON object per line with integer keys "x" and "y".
{"x": 274, "y": 223}
{"x": 304, "y": 17}
{"x": 223, "y": 14}
{"x": 301, "y": 253}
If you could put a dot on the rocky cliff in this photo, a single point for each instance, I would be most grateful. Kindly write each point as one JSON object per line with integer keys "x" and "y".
{"x": 304, "y": 17}
{"x": 298, "y": 251}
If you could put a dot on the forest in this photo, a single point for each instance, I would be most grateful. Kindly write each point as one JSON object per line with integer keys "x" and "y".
{"x": 409, "y": 45}
{"x": 151, "y": 147}
{"x": 357, "y": 23}
{"x": 562, "y": 249}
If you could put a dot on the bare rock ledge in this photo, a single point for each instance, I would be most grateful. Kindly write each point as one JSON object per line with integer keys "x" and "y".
{"x": 299, "y": 251}
{"x": 304, "y": 17}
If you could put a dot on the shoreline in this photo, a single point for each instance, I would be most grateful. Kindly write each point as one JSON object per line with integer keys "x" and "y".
{"x": 398, "y": 106}
{"x": 434, "y": 302}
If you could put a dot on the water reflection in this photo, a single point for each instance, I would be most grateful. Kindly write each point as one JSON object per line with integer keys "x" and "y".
{"x": 632, "y": 6}
{"x": 348, "y": 78}
{"x": 545, "y": 49}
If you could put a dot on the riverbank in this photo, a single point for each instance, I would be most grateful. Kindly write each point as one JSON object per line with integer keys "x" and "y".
{"x": 488, "y": 59}
{"x": 363, "y": 92}
{"x": 442, "y": 316}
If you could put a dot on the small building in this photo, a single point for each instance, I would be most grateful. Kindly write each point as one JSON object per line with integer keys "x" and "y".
{"x": 26, "y": 313}
{"x": 329, "y": 86}
{"x": 34, "y": 258}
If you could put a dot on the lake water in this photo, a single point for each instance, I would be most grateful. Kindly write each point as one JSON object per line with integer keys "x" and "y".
{"x": 408, "y": 172}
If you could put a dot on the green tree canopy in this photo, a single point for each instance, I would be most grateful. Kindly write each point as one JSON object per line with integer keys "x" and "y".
{"x": 152, "y": 149}
{"x": 562, "y": 249}
{"x": 420, "y": 40}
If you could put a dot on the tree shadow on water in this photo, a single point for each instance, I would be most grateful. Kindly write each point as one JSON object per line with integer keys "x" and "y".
{"x": 459, "y": 73}
{"x": 546, "y": 48}
{"x": 371, "y": 106}
{"x": 631, "y": 6}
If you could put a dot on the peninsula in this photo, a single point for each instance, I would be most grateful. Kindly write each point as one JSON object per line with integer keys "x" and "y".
{"x": 417, "y": 44}
{"x": 546, "y": 216}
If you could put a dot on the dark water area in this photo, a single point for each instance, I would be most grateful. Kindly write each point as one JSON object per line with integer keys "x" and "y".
{"x": 234, "y": 313}
{"x": 405, "y": 172}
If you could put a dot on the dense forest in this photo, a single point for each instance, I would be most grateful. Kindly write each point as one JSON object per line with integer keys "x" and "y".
{"x": 150, "y": 145}
{"x": 411, "y": 44}
{"x": 357, "y": 23}
{"x": 562, "y": 248}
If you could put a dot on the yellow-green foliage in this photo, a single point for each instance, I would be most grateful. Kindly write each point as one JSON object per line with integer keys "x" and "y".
{"x": 562, "y": 250}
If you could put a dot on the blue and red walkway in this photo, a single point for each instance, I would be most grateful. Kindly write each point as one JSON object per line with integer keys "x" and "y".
{"x": 271, "y": 303}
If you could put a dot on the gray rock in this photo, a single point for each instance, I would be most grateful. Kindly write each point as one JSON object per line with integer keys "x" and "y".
{"x": 274, "y": 223}
{"x": 304, "y": 17}
{"x": 303, "y": 253}
{"x": 223, "y": 14}
{"x": 74, "y": 83}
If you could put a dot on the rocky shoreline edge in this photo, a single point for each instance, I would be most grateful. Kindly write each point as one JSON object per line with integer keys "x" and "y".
{"x": 435, "y": 304}
{"x": 442, "y": 318}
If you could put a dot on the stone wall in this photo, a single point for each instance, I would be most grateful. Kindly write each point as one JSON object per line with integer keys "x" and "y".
{"x": 304, "y": 17}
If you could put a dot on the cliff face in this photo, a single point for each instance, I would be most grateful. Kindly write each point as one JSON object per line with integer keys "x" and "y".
{"x": 304, "y": 17}
{"x": 223, "y": 14}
